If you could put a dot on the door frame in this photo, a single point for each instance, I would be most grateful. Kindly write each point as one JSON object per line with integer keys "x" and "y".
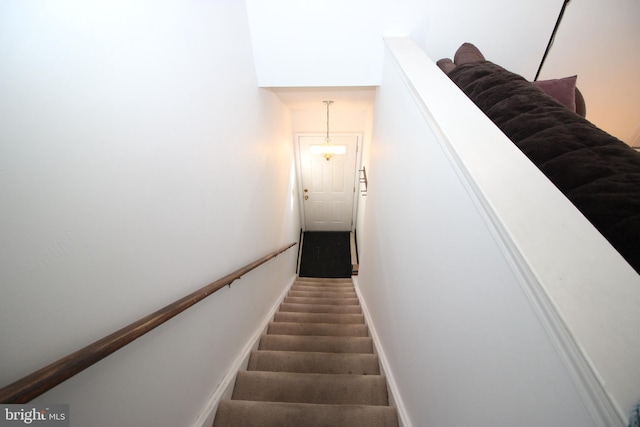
{"x": 356, "y": 175}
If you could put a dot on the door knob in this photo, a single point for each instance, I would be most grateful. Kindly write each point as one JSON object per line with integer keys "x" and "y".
{"x": 306, "y": 197}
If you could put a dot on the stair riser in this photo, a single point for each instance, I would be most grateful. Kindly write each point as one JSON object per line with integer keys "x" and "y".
{"x": 317, "y": 329}
{"x": 307, "y": 288}
{"x": 357, "y": 319}
{"x": 322, "y": 301}
{"x": 324, "y": 283}
{"x": 311, "y": 388}
{"x": 318, "y": 308}
{"x": 302, "y": 294}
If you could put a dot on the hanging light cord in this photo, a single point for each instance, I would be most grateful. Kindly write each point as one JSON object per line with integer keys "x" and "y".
{"x": 551, "y": 39}
{"x": 327, "y": 104}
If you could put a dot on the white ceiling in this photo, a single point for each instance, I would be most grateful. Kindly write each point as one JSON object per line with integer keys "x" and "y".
{"x": 311, "y": 98}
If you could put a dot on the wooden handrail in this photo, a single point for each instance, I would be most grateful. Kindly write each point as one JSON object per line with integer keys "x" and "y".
{"x": 42, "y": 380}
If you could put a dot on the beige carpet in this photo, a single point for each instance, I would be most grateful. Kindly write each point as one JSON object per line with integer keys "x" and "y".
{"x": 314, "y": 367}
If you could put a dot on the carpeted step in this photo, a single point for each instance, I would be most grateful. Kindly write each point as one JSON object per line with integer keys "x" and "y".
{"x": 310, "y": 288}
{"x": 317, "y": 329}
{"x": 311, "y": 388}
{"x": 315, "y": 366}
{"x": 322, "y": 301}
{"x": 318, "y": 318}
{"x": 324, "y": 282}
{"x": 323, "y": 344}
{"x": 317, "y": 363}
{"x": 234, "y": 413}
{"x": 320, "y": 308}
{"x": 322, "y": 294}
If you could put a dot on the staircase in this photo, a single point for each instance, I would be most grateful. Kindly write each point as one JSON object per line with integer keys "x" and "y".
{"x": 315, "y": 366}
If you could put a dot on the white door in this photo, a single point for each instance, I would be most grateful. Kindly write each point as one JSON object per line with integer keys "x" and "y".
{"x": 328, "y": 186}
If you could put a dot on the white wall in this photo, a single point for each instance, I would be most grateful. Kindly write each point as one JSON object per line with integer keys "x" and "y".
{"x": 334, "y": 43}
{"x": 341, "y": 120}
{"x": 138, "y": 162}
{"x": 584, "y": 292}
{"x": 598, "y": 40}
{"x": 466, "y": 341}
{"x": 513, "y": 35}
{"x": 337, "y": 43}
{"x": 316, "y": 43}
{"x": 362, "y": 187}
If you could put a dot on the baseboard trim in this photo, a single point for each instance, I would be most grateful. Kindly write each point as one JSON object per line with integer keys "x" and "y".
{"x": 394, "y": 392}
{"x": 225, "y": 388}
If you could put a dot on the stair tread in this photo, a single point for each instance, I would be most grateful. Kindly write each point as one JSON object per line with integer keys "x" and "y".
{"x": 334, "y": 318}
{"x": 322, "y": 329}
{"x": 314, "y": 362}
{"x": 233, "y": 413}
{"x": 327, "y": 344}
{"x": 311, "y": 388}
{"x": 315, "y": 366}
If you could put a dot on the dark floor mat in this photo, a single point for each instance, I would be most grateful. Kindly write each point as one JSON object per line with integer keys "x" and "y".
{"x": 325, "y": 254}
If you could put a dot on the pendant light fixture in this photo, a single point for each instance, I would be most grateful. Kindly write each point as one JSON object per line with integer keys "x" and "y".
{"x": 327, "y": 140}
{"x": 328, "y": 149}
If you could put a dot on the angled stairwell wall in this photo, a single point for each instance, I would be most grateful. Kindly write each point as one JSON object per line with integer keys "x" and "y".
{"x": 490, "y": 294}
{"x": 139, "y": 161}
